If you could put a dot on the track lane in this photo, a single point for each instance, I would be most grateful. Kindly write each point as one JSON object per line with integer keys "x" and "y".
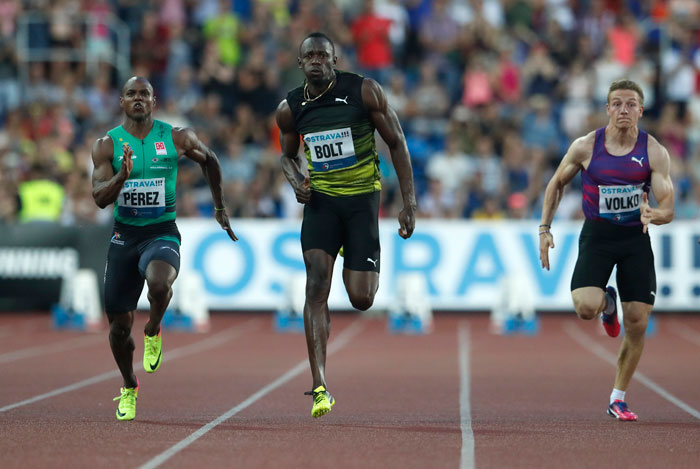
{"x": 397, "y": 406}
{"x": 546, "y": 397}
{"x": 534, "y": 402}
{"x": 60, "y": 377}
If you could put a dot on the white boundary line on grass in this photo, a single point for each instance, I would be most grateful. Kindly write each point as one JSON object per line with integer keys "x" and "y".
{"x": 61, "y": 346}
{"x": 341, "y": 341}
{"x": 592, "y": 346}
{"x": 465, "y": 417}
{"x": 217, "y": 339}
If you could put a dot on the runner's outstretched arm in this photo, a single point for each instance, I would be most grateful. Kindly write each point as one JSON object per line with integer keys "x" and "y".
{"x": 570, "y": 165}
{"x": 187, "y": 141}
{"x": 387, "y": 124}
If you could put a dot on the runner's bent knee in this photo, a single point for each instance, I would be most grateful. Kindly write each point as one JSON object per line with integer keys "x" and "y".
{"x": 635, "y": 322}
{"x": 362, "y": 302}
{"x": 120, "y": 329}
{"x": 587, "y": 309}
{"x": 159, "y": 288}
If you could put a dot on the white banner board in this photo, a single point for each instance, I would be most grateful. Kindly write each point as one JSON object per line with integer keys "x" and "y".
{"x": 463, "y": 262}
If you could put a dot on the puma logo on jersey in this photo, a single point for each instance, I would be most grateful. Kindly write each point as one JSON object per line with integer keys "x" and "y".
{"x": 342, "y": 100}
{"x": 638, "y": 160}
{"x": 374, "y": 262}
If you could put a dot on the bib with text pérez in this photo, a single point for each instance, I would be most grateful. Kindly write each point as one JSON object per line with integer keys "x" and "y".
{"x": 143, "y": 198}
{"x": 620, "y": 203}
{"x": 331, "y": 149}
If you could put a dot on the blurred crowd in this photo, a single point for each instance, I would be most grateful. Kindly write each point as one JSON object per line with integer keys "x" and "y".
{"x": 490, "y": 93}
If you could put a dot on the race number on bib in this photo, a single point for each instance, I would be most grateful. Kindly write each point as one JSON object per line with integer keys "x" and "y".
{"x": 620, "y": 203}
{"x": 331, "y": 149}
{"x": 142, "y": 198}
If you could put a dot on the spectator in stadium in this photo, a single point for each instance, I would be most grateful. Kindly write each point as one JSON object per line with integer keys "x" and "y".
{"x": 429, "y": 104}
{"x": 439, "y": 40}
{"x": 539, "y": 129}
{"x": 336, "y": 113}
{"x": 505, "y": 34}
{"x": 490, "y": 209}
{"x": 224, "y": 29}
{"x": 370, "y": 33}
{"x": 620, "y": 164}
{"x": 437, "y": 201}
{"x": 41, "y": 197}
{"x": 452, "y": 167}
{"x": 396, "y": 94}
{"x": 517, "y": 206}
{"x": 136, "y": 170}
{"x": 398, "y": 16}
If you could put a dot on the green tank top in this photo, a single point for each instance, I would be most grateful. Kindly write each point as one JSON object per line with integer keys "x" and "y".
{"x": 338, "y": 138}
{"x": 148, "y": 196}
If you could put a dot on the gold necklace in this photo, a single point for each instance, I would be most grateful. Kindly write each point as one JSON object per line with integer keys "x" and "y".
{"x": 307, "y": 96}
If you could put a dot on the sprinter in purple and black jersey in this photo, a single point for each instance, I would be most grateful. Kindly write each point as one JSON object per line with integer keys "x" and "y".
{"x": 620, "y": 164}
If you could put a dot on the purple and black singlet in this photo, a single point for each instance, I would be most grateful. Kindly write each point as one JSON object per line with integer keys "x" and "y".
{"x": 613, "y": 185}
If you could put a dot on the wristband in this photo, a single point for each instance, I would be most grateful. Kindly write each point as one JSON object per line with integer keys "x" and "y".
{"x": 548, "y": 226}
{"x": 545, "y": 232}
{"x": 219, "y": 209}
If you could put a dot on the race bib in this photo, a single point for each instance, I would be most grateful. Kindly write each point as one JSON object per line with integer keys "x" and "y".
{"x": 620, "y": 203}
{"x": 331, "y": 149}
{"x": 142, "y": 198}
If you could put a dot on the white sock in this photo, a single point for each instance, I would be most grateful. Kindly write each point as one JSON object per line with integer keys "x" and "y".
{"x": 617, "y": 395}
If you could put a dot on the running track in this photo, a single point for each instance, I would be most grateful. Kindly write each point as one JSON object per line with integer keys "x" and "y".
{"x": 457, "y": 398}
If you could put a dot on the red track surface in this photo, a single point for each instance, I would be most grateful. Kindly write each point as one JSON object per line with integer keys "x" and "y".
{"x": 533, "y": 401}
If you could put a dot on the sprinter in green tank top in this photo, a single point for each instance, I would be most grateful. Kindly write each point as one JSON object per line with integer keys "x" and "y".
{"x": 136, "y": 170}
{"x": 336, "y": 114}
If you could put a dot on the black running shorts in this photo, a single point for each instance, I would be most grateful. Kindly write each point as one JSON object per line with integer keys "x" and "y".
{"x": 130, "y": 250}
{"x": 602, "y": 245}
{"x": 348, "y": 221}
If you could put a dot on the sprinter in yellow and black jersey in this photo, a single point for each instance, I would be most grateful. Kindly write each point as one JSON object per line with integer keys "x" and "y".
{"x": 338, "y": 137}
{"x": 336, "y": 114}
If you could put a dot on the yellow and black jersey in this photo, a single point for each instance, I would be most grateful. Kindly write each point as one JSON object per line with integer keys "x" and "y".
{"x": 338, "y": 138}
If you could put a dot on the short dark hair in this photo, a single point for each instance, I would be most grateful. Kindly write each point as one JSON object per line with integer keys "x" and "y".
{"x": 136, "y": 78}
{"x": 318, "y": 35}
{"x": 625, "y": 84}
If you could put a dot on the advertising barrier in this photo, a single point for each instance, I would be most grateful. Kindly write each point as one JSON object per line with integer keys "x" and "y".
{"x": 465, "y": 264}
{"x": 36, "y": 257}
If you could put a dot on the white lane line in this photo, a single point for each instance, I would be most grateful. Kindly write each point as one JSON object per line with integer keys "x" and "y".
{"x": 691, "y": 335}
{"x": 341, "y": 341}
{"x": 62, "y": 346}
{"x": 465, "y": 414}
{"x": 584, "y": 340}
{"x": 227, "y": 334}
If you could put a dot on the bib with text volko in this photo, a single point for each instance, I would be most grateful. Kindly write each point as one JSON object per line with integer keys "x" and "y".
{"x": 620, "y": 203}
{"x": 143, "y": 198}
{"x": 331, "y": 149}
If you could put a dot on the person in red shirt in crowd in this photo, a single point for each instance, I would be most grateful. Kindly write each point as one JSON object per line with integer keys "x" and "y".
{"x": 371, "y": 35}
